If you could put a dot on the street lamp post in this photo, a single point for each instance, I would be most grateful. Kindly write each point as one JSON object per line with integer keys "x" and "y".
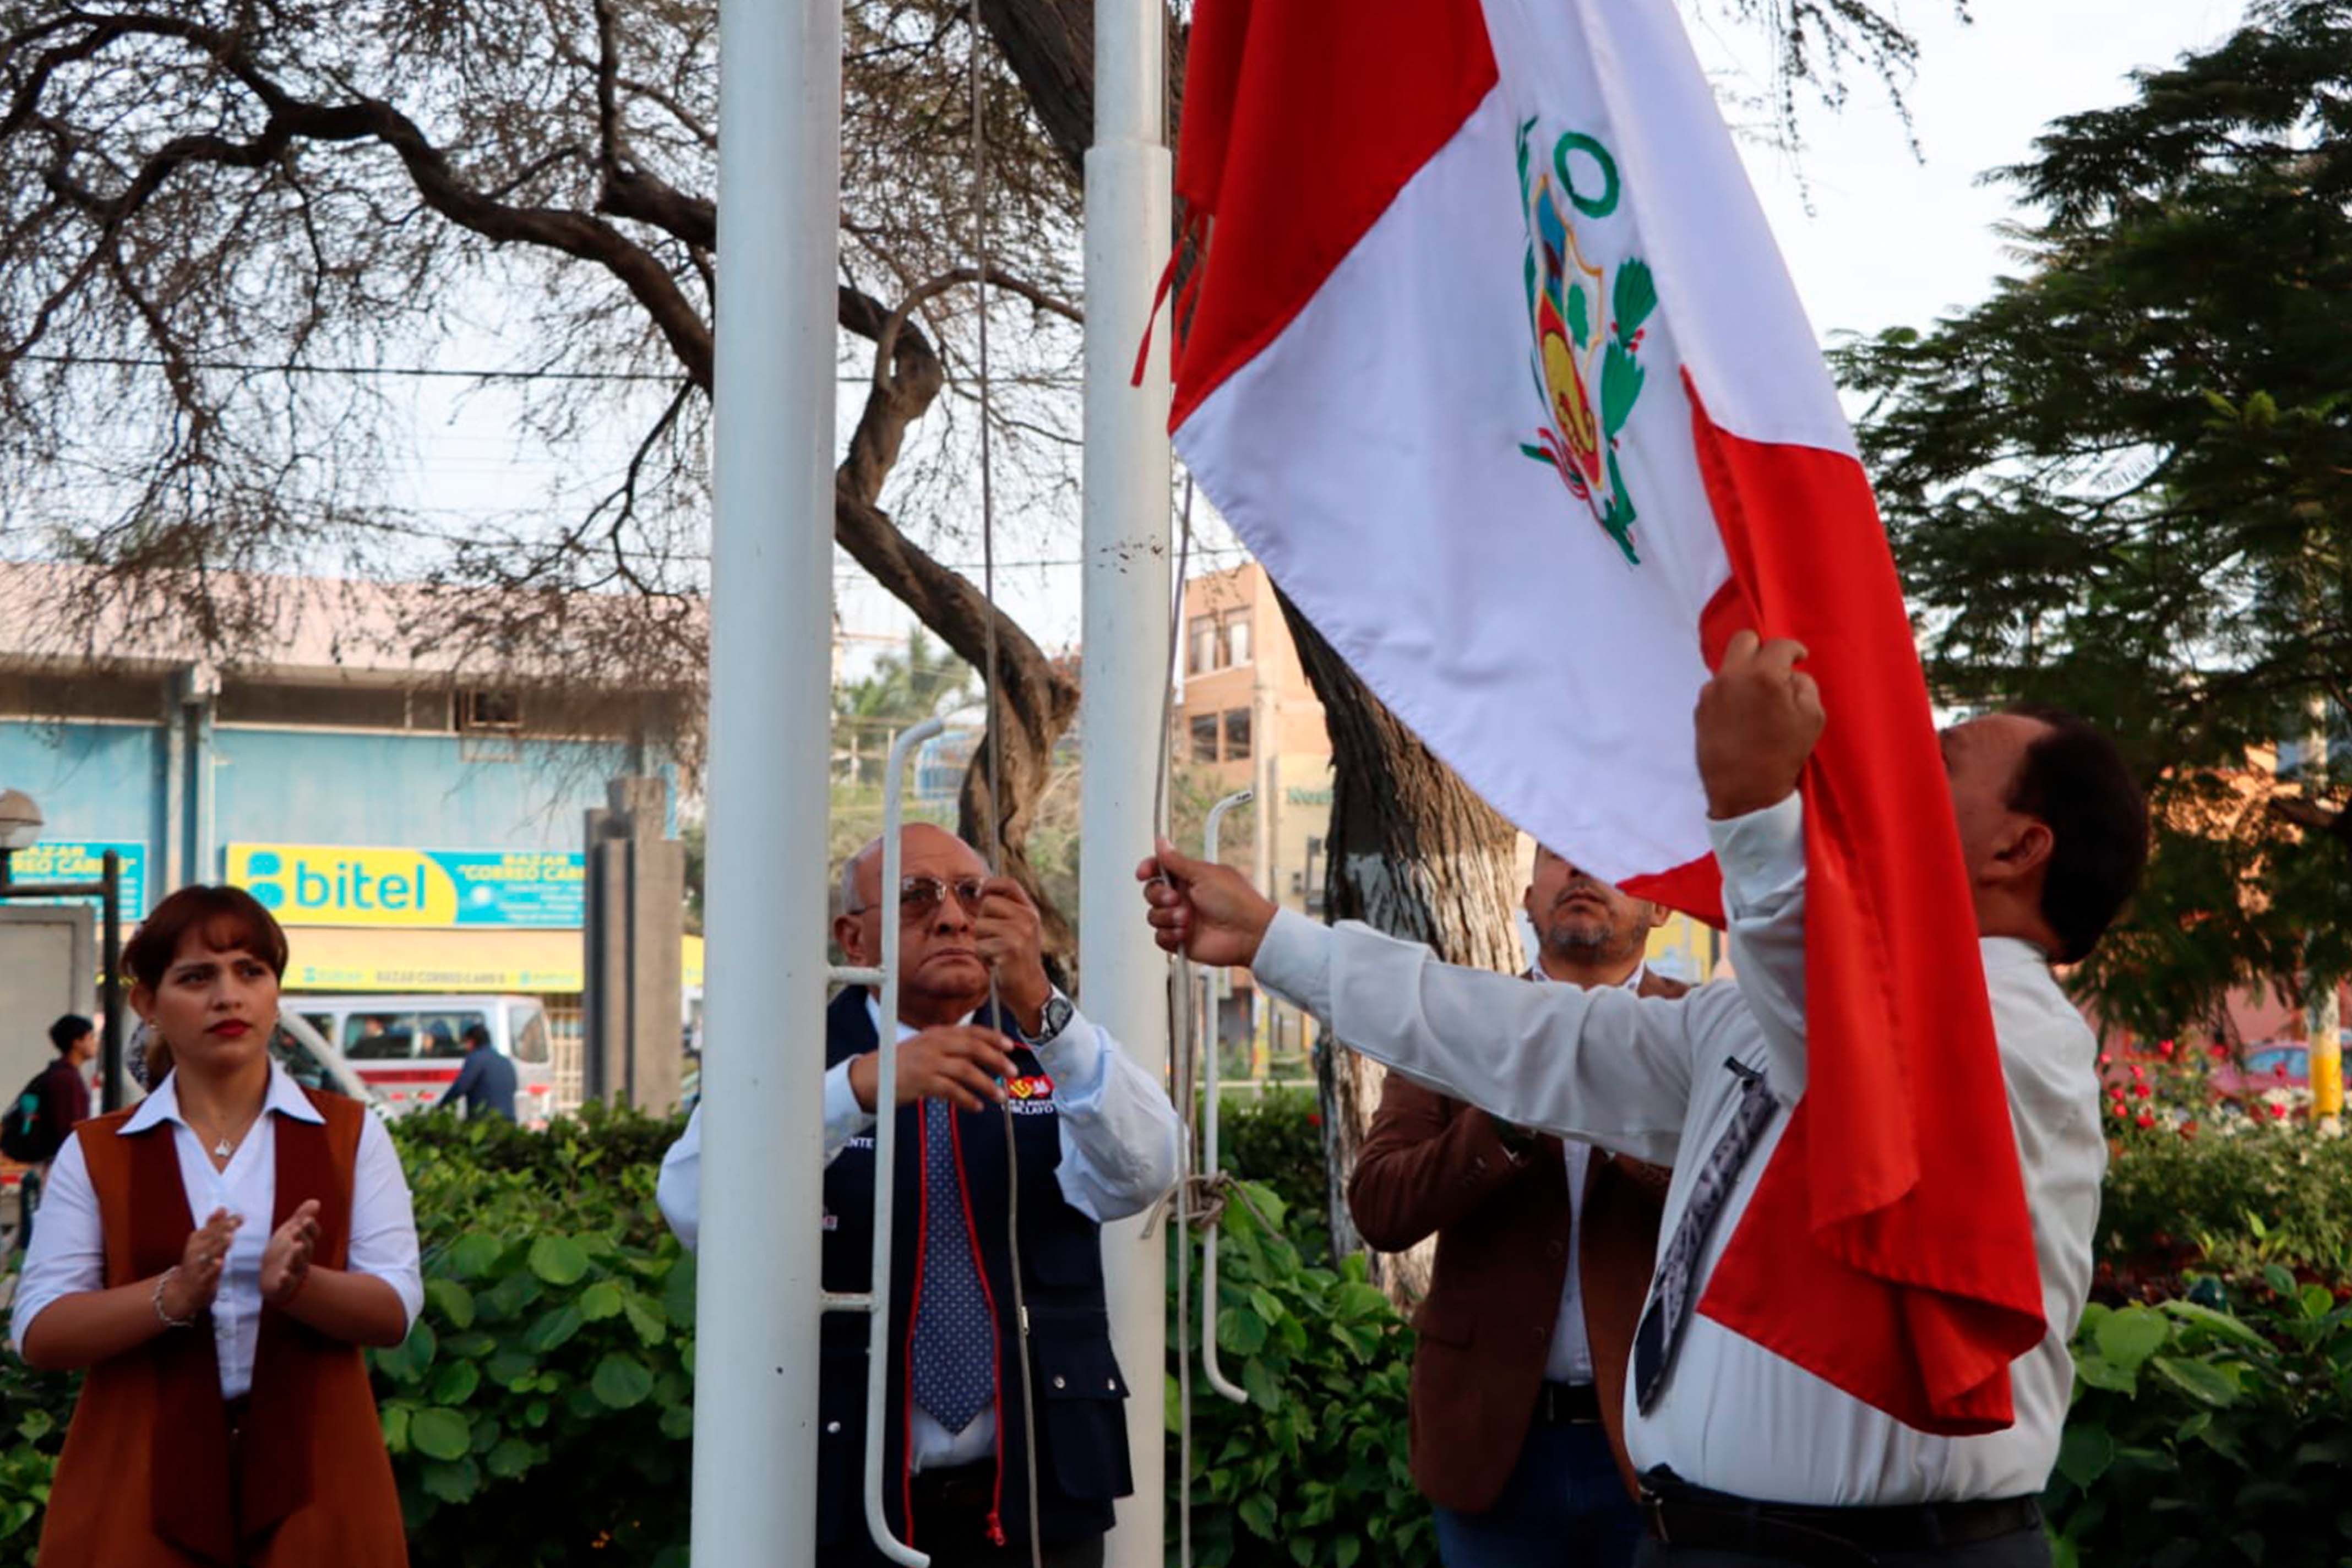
{"x": 20, "y": 828}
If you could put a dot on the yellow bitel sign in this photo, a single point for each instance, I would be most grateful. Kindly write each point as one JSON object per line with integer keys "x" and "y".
{"x": 326, "y": 884}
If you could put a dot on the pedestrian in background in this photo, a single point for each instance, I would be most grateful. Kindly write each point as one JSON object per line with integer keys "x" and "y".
{"x": 52, "y": 1105}
{"x": 486, "y": 1083}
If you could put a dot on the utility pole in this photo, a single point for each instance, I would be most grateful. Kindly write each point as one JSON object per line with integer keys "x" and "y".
{"x": 2323, "y": 1016}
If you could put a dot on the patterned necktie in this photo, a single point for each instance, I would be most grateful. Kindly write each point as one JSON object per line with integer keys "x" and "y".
{"x": 1670, "y": 1295}
{"x": 955, "y": 1336}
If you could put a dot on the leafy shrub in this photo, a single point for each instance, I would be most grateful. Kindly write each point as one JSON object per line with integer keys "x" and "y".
{"x": 1313, "y": 1469}
{"x": 541, "y": 1409}
{"x": 2199, "y": 1439}
{"x": 1275, "y": 1139}
{"x": 2231, "y": 1198}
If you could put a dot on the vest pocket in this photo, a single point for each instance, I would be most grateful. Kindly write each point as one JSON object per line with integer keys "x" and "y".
{"x": 1081, "y": 1406}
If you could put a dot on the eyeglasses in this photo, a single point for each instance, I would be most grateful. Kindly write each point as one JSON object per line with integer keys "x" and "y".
{"x": 921, "y": 897}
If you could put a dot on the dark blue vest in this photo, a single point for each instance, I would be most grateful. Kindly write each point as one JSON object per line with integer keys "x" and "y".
{"x": 1076, "y": 1390}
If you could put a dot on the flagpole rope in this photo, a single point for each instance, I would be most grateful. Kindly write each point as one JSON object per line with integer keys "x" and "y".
{"x": 994, "y": 766}
{"x": 993, "y": 738}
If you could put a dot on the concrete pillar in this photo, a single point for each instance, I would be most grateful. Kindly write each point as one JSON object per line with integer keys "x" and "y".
{"x": 635, "y": 924}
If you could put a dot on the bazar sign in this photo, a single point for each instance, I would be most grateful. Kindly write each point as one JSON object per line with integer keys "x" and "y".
{"x": 349, "y": 885}
{"x": 84, "y": 861}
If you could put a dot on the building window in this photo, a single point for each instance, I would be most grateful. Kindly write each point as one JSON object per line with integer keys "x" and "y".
{"x": 490, "y": 710}
{"x": 1204, "y": 643}
{"x": 1237, "y": 735}
{"x": 1204, "y": 737}
{"x": 1237, "y": 639}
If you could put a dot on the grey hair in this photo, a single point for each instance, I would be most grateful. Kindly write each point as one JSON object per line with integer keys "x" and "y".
{"x": 850, "y": 902}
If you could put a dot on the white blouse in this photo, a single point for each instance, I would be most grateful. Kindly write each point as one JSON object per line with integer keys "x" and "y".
{"x": 68, "y": 1256}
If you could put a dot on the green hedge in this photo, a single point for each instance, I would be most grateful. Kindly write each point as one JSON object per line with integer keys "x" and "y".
{"x": 1313, "y": 1469}
{"x": 538, "y": 1415}
{"x": 2231, "y": 1196}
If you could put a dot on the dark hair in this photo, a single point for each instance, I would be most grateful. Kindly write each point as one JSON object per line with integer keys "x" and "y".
{"x": 2074, "y": 781}
{"x": 222, "y": 918}
{"x": 69, "y": 1029}
{"x": 476, "y": 1035}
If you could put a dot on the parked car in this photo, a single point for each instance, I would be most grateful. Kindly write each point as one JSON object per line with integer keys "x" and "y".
{"x": 409, "y": 1048}
{"x": 2274, "y": 1064}
{"x": 295, "y": 1043}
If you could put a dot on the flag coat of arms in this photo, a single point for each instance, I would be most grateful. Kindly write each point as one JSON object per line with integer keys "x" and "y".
{"x": 1494, "y": 364}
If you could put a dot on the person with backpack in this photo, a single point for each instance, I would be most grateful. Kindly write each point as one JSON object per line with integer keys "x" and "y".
{"x": 48, "y": 1109}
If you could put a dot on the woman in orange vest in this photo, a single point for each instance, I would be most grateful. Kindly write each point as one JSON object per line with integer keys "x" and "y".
{"x": 226, "y": 1420}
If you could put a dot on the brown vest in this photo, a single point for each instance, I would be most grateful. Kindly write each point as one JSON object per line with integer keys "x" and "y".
{"x": 146, "y": 1479}
{"x": 1430, "y": 1164}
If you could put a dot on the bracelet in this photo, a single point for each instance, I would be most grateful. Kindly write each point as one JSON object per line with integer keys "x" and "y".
{"x": 169, "y": 1321}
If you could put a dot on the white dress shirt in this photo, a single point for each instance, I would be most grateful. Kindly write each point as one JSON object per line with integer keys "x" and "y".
{"x": 68, "y": 1252}
{"x": 1647, "y": 1077}
{"x": 1570, "y": 1360}
{"x": 1118, "y": 1133}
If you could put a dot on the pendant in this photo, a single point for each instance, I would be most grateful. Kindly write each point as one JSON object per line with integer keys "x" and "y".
{"x": 221, "y": 1150}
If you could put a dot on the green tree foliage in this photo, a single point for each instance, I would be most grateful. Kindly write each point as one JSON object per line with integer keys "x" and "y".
{"x": 2123, "y": 483}
{"x": 904, "y": 688}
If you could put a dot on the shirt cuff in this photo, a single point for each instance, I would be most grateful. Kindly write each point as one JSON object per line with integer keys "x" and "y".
{"x": 1294, "y": 962}
{"x": 844, "y": 1118}
{"x": 1073, "y": 1059}
{"x": 1762, "y": 854}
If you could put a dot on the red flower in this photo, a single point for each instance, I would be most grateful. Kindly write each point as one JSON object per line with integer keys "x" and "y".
{"x": 2188, "y": 1130}
{"x": 2147, "y": 1120}
{"x": 2164, "y": 1047}
{"x": 2138, "y": 1072}
{"x": 1314, "y": 1118}
{"x": 2278, "y": 1112}
{"x": 2106, "y": 1059}
{"x": 2220, "y": 1052}
{"x": 2140, "y": 1090}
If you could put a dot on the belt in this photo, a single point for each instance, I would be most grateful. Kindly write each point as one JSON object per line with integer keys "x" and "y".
{"x": 962, "y": 1489}
{"x": 1566, "y": 1405}
{"x": 1680, "y": 1514}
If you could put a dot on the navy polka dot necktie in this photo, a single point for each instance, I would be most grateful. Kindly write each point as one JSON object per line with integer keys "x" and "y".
{"x": 955, "y": 1334}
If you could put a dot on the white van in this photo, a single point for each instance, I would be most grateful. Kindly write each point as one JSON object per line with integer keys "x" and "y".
{"x": 409, "y": 1048}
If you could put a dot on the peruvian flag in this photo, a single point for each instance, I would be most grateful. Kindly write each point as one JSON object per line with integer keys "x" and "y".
{"x": 1493, "y": 363}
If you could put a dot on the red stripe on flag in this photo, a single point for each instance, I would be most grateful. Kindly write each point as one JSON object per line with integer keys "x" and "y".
{"x": 1336, "y": 118}
{"x": 1919, "y": 1286}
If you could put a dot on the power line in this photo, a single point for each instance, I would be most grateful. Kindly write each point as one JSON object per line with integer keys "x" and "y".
{"x": 419, "y": 372}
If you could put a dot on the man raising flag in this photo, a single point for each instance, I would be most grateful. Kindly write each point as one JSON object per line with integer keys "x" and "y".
{"x": 1746, "y": 1455}
{"x": 1491, "y": 334}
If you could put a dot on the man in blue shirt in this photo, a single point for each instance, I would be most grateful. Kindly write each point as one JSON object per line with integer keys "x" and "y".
{"x": 487, "y": 1082}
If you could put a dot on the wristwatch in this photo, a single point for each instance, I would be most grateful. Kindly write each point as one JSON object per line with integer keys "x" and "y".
{"x": 1052, "y": 1019}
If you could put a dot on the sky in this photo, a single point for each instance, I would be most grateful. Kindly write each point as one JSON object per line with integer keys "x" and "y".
{"x": 1876, "y": 231}
{"x": 1875, "y": 234}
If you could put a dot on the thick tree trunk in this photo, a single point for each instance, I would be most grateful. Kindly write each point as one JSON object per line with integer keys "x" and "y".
{"x": 1413, "y": 852}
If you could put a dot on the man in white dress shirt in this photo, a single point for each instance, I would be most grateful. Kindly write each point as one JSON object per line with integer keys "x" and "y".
{"x": 1748, "y": 1457}
{"x": 1036, "y": 1109}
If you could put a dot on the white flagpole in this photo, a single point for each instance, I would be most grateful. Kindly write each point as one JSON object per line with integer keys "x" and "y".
{"x": 1127, "y": 587}
{"x": 772, "y": 599}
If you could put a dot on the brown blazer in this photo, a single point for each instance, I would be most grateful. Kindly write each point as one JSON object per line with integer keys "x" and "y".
{"x": 1431, "y": 1164}
{"x": 147, "y": 1479}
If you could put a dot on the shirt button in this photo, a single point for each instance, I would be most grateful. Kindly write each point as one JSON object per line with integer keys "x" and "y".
{"x": 1556, "y": 1249}
{"x": 1058, "y": 1383}
{"x": 1111, "y": 1383}
{"x": 833, "y": 1426}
